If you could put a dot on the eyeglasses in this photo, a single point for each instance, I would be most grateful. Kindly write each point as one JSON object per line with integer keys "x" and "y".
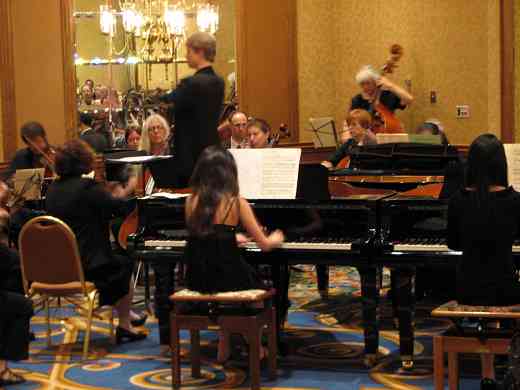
{"x": 155, "y": 128}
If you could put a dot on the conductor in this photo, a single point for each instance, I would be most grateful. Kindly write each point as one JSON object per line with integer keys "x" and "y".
{"x": 197, "y": 103}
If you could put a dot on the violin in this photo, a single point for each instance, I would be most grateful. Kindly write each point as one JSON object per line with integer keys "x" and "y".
{"x": 47, "y": 157}
{"x": 283, "y": 132}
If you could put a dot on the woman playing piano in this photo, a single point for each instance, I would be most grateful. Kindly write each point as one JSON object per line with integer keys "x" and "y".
{"x": 213, "y": 212}
{"x": 357, "y": 132}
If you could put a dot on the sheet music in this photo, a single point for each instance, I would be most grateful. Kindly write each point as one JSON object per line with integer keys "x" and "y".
{"x": 267, "y": 173}
{"x": 28, "y": 183}
{"x": 513, "y": 164}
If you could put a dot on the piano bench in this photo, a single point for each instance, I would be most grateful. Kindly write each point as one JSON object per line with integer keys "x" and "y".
{"x": 480, "y": 339}
{"x": 235, "y": 312}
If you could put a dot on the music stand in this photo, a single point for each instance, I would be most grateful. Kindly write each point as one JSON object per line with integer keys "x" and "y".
{"x": 324, "y": 131}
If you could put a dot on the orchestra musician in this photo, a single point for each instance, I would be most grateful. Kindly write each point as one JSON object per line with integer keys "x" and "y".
{"x": 95, "y": 139}
{"x": 378, "y": 89}
{"x": 155, "y": 136}
{"x": 433, "y": 127}
{"x": 87, "y": 208}
{"x": 239, "y": 136}
{"x": 197, "y": 105}
{"x": 34, "y": 136}
{"x": 213, "y": 212}
{"x": 259, "y": 133}
{"x": 15, "y": 309}
{"x": 132, "y": 137}
{"x": 358, "y": 132}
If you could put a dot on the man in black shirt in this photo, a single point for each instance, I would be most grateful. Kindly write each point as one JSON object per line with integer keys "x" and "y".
{"x": 197, "y": 103}
{"x": 378, "y": 89}
{"x": 34, "y": 136}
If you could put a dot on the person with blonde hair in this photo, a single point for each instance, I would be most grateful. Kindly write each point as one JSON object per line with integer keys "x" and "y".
{"x": 155, "y": 136}
{"x": 358, "y": 132}
{"x": 197, "y": 103}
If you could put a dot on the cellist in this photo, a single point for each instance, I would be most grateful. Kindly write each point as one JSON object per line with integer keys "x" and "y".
{"x": 379, "y": 91}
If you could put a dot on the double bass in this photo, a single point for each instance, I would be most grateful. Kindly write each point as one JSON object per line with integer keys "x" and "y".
{"x": 390, "y": 122}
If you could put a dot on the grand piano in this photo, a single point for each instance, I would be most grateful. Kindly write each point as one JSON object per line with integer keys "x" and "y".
{"x": 355, "y": 225}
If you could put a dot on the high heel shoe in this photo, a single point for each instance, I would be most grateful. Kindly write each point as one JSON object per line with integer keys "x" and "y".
{"x": 139, "y": 321}
{"x": 124, "y": 335}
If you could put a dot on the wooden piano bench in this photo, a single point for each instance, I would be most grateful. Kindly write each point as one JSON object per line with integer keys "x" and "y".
{"x": 235, "y": 312}
{"x": 484, "y": 338}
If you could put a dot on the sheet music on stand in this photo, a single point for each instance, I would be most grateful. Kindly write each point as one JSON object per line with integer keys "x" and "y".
{"x": 324, "y": 132}
{"x": 267, "y": 173}
{"x": 28, "y": 183}
{"x": 513, "y": 164}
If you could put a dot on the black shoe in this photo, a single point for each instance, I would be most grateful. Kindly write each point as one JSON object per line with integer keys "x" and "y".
{"x": 124, "y": 335}
{"x": 139, "y": 321}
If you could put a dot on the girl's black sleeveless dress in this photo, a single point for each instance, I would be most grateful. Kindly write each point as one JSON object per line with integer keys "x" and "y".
{"x": 214, "y": 263}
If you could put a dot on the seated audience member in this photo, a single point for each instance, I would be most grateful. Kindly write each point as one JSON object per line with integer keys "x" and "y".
{"x": 87, "y": 208}
{"x": 239, "y": 136}
{"x": 34, "y": 136}
{"x": 95, "y": 139}
{"x": 433, "y": 127}
{"x": 259, "y": 133}
{"x": 155, "y": 138}
{"x": 15, "y": 309}
{"x": 357, "y": 133}
{"x": 213, "y": 211}
{"x": 87, "y": 94}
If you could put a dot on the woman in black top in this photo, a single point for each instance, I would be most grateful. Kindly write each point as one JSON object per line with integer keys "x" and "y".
{"x": 87, "y": 208}
{"x": 483, "y": 220}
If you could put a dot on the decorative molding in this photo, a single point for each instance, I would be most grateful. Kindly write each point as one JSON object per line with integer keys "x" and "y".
{"x": 507, "y": 71}
{"x": 69, "y": 71}
{"x": 7, "y": 85}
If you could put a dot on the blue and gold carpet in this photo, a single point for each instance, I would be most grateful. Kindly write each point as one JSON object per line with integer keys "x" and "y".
{"x": 325, "y": 339}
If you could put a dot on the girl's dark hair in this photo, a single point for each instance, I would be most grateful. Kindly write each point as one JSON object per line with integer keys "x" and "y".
{"x": 74, "y": 158}
{"x": 487, "y": 166}
{"x": 214, "y": 179}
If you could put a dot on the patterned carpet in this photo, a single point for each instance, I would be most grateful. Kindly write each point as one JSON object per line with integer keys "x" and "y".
{"x": 325, "y": 350}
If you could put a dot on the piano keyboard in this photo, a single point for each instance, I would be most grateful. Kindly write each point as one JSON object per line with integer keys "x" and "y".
{"x": 433, "y": 248}
{"x": 327, "y": 246}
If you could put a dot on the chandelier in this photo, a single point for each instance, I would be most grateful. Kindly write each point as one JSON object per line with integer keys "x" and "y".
{"x": 159, "y": 24}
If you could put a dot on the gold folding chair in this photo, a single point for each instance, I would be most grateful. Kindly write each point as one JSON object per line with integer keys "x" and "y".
{"x": 51, "y": 268}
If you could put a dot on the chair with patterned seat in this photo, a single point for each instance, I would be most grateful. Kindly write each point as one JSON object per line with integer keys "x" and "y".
{"x": 484, "y": 337}
{"x": 51, "y": 268}
{"x": 230, "y": 311}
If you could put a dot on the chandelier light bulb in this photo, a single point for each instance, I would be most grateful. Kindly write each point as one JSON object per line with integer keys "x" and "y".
{"x": 175, "y": 20}
{"x": 107, "y": 20}
{"x": 207, "y": 18}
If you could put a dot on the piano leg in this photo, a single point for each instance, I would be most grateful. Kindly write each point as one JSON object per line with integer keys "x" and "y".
{"x": 280, "y": 275}
{"x": 322, "y": 274}
{"x": 370, "y": 300}
{"x": 164, "y": 287}
{"x": 405, "y": 296}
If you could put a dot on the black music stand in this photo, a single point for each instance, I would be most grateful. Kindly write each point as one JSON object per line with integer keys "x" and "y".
{"x": 325, "y": 127}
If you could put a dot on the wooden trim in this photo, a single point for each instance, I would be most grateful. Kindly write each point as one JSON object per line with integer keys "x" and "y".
{"x": 241, "y": 59}
{"x": 507, "y": 78}
{"x": 69, "y": 71}
{"x": 292, "y": 71}
{"x": 7, "y": 86}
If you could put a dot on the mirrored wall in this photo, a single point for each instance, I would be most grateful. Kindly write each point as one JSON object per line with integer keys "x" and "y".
{"x": 129, "y": 52}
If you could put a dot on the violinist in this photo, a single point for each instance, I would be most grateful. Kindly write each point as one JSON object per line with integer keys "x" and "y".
{"x": 358, "y": 132}
{"x": 37, "y": 154}
{"x": 378, "y": 89}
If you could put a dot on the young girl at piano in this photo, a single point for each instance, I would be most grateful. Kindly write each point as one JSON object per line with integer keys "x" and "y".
{"x": 357, "y": 132}
{"x": 483, "y": 221}
{"x": 213, "y": 211}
